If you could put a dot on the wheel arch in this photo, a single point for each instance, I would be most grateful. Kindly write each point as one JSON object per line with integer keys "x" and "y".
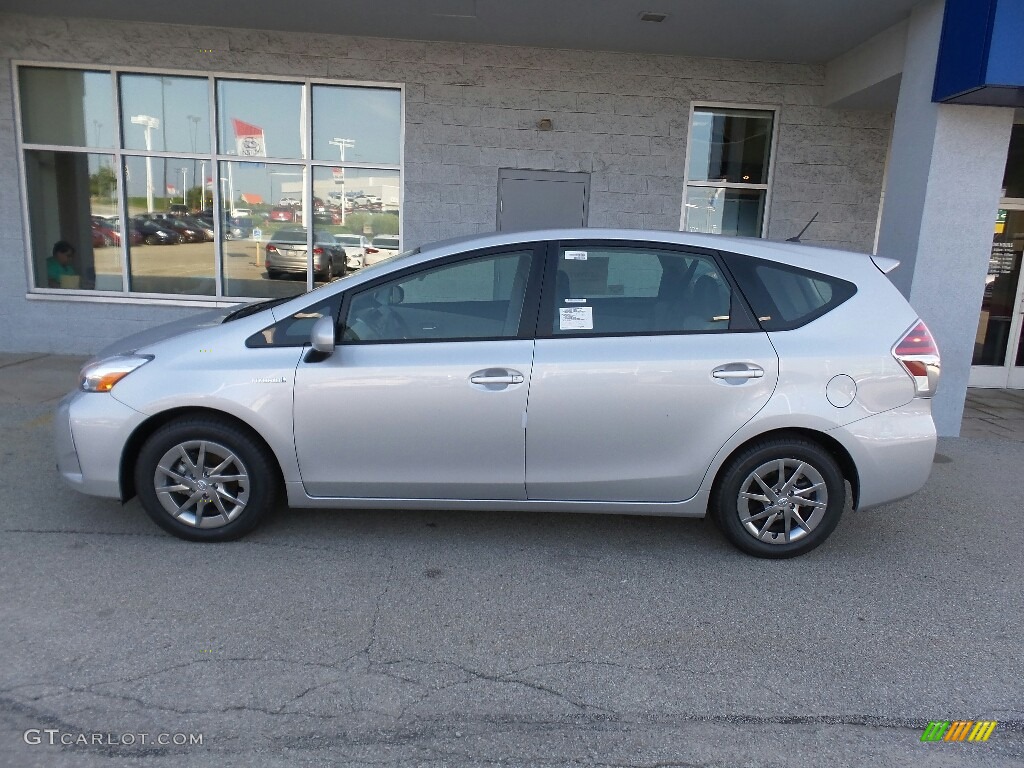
{"x": 132, "y": 446}
{"x": 828, "y": 443}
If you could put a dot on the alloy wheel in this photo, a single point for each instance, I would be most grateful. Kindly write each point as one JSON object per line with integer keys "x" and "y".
{"x": 202, "y": 484}
{"x": 782, "y": 501}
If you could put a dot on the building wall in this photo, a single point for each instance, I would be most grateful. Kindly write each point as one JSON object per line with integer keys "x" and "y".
{"x": 470, "y": 110}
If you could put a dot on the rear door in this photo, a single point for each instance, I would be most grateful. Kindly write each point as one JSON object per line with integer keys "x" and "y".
{"x": 647, "y": 361}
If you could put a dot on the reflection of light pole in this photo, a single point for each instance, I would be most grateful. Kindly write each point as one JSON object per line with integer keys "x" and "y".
{"x": 202, "y": 184}
{"x": 195, "y": 119}
{"x": 149, "y": 123}
{"x": 98, "y": 126}
{"x": 341, "y": 144}
{"x": 184, "y": 184}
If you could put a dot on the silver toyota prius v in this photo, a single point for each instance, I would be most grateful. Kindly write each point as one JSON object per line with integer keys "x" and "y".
{"x": 620, "y": 371}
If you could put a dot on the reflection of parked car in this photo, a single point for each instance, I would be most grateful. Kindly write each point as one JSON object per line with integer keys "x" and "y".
{"x": 113, "y": 229}
{"x": 100, "y": 236}
{"x": 178, "y": 209}
{"x": 200, "y": 225}
{"x": 355, "y": 249}
{"x": 287, "y": 252}
{"x": 239, "y": 228}
{"x": 289, "y": 201}
{"x": 282, "y": 213}
{"x": 189, "y": 232}
{"x": 383, "y": 247}
{"x": 154, "y": 234}
{"x": 748, "y": 381}
{"x": 328, "y": 216}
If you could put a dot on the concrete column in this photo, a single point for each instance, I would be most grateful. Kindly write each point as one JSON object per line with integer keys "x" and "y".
{"x": 946, "y": 168}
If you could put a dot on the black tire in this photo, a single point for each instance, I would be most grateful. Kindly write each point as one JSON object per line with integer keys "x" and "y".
{"x": 768, "y": 538}
{"x": 273, "y": 274}
{"x": 152, "y": 240}
{"x": 259, "y": 490}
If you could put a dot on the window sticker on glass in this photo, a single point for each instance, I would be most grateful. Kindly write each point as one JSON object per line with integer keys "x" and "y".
{"x": 576, "y": 255}
{"x": 576, "y": 318}
{"x": 575, "y": 301}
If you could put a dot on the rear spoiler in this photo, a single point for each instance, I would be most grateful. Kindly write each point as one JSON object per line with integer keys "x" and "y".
{"x": 885, "y": 264}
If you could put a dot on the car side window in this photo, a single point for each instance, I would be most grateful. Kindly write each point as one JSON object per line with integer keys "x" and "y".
{"x": 785, "y": 297}
{"x": 294, "y": 330}
{"x": 633, "y": 289}
{"x": 477, "y": 298}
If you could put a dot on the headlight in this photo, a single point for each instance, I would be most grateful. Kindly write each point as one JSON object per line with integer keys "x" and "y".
{"x": 102, "y": 375}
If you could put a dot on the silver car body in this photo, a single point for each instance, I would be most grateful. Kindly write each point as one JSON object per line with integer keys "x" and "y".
{"x": 617, "y": 424}
{"x": 286, "y": 253}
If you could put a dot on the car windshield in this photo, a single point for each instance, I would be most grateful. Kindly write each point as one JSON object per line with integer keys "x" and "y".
{"x": 348, "y": 239}
{"x": 386, "y": 242}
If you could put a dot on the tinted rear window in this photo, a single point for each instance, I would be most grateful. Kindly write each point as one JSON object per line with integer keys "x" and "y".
{"x": 785, "y": 297}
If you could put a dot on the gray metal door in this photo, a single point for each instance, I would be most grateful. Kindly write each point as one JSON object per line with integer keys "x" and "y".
{"x": 541, "y": 200}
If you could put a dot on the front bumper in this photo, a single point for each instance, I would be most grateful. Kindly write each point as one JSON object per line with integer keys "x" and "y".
{"x": 90, "y": 432}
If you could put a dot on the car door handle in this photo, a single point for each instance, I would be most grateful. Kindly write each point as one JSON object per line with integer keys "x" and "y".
{"x": 510, "y": 378}
{"x": 747, "y": 372}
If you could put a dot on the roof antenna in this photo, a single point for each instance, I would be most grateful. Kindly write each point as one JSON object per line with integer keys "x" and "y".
{"x": 797, "y": 238}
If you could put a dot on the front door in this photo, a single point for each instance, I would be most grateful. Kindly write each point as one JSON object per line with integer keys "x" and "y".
{"x": 646, "y": 364}
{"x": 999, "y": 345}
{"x": 425, "y": 395}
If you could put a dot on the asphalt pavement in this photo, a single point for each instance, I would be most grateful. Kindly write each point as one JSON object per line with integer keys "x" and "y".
{"x": 462, "y": 639}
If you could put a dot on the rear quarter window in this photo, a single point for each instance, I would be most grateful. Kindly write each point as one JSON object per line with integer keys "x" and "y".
{"x": 784, "y": 297}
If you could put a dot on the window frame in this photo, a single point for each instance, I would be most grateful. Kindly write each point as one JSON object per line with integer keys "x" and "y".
{"x": 119, "y": 153}
{"x": 772, "y": 152}
{"x": 743, "y": 322}
{"x": 531, "y": 298}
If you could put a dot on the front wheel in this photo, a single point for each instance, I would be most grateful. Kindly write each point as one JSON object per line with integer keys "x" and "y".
{"x": 205, "y": 479}
{"x": 779, "y": 498}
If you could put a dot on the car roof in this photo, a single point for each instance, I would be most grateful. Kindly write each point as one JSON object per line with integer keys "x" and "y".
{"x": 797, "y": 254}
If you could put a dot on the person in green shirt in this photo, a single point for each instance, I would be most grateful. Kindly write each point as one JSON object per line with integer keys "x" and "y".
{"x": 59, "y": 265}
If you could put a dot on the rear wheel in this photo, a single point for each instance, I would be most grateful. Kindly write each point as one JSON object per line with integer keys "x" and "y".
{"x": 152, "y": 240}
{"x": 205, "y": 479}
{"x": 779, "y": 498}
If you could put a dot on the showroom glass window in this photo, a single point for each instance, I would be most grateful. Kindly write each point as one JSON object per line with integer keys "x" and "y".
{"x": 728, "y": 170}
{"x": 172, "y": 185}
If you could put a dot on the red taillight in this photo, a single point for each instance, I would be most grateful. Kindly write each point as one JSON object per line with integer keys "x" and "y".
{"x": 372, "y": 250}
{"x": 318, "y": 251}
{"x": 917, "y": 352}
{"x": 271, "y": 248}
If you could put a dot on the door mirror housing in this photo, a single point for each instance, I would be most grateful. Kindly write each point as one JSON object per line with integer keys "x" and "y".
{"x": 322, "y": 335}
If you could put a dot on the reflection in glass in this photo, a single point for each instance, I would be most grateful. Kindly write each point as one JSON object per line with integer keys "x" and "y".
{"x": 252, "y": 222}
{"x": 73, "y": 198}
{"x": 177, "y": 108}
{"x": 358, "y": 201}
{"x": 169, "y": 252}
{"x": 358, "y": 125}
{"x": 730, "y": 145}
{"x": 724, "y": 211}
{"x": 1004, "y": 264}
{"x": 261, "y": 119}
{"x": 67, "y": 106}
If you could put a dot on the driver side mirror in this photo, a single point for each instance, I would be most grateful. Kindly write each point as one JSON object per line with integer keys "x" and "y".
{"x": 322, "y": 335}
